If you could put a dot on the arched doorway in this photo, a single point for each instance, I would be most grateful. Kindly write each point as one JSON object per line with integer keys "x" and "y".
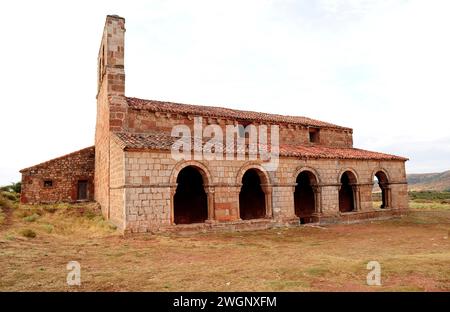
{"x": 347, "y": 193}
{"x": 305, "y": 197}
{"x": 190, "y": 199}
{"x": 252, "y": 201}
{"x": 381, "y": 191}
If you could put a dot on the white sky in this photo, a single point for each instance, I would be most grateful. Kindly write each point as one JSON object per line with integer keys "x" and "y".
{"x": 380, "y": 67}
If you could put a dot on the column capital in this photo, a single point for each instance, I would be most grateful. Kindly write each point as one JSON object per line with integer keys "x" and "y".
{"x": 209, "y": 189}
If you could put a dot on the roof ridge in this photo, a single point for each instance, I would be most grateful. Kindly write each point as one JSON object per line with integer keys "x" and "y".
{"x": 57, "y": 158}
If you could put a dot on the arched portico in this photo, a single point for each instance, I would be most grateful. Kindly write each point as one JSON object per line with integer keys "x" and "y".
{"x": 307, "y": 199}
{"x": 348, "y": 191}
{"x": 255, "y": 196}
{"x": 383, "y": 182}
{"x": 192, "y": 197}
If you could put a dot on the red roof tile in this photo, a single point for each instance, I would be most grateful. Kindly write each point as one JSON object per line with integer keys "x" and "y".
{"x": 221, "y": 112}
{"x": 163, "y": 141}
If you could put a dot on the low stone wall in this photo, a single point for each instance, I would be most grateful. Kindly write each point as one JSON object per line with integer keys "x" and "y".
{"x": 264, "y": 224}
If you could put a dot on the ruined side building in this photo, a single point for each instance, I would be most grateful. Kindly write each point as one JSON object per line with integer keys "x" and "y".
{"x": 141, "y": 187}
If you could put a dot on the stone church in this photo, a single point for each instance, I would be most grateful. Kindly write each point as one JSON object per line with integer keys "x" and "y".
{"x": 141, "y": 187}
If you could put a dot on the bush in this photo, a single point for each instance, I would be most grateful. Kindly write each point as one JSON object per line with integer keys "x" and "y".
{"x": 4, "y": 202}
{"x": 10, "y": 196}
{"x": 48, "y": 228}
{"x": 28, "y": 233}
{"x": 13, "y": 187}
{"x": 90, "y": 214}
{"x": 31, "y": 218}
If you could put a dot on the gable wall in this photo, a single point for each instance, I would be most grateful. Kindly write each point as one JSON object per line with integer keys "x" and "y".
{"x": 64, "y": 172}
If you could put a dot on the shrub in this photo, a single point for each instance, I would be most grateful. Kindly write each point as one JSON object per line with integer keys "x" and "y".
{"x": 4, "y": 202}
{"x": 13, "y": 187}
{"x": 31, "y": 218}
{"x": 10, "y": 196}
{"x": 10, "y": 237}
{"x": 48, "y": 228}
{"x": 90, "y": 214}
{"x": 28, "y": 233}
{"x": 50, "y": 209}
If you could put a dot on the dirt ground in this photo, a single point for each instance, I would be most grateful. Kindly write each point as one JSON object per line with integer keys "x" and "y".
{"x": 413, "y": 251}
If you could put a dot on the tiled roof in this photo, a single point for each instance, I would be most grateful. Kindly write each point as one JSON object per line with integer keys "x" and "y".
{"x": 221, "y": 112}
{"x": 163, "y": 141}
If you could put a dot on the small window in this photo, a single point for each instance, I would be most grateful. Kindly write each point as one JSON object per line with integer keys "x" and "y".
{"x": 242, "y": 128}
{"x": 241, "y": 131}
{"x": 313, "y": 135}
{"x": 48, "y": 183}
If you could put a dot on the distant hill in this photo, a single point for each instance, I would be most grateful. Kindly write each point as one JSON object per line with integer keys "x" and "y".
{"x": 429, "y": 181}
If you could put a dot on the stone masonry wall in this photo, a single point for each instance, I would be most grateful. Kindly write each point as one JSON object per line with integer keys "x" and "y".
{"x": 64, "y": 173}
{"x": 141, "y": 121}
{"x": 116, "y": 211}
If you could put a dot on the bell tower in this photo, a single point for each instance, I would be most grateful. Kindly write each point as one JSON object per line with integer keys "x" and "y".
{"x": 111, "y": 103}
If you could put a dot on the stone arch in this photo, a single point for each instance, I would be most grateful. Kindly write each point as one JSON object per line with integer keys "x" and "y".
{"x": 384, "y": 175}
{"x": 181, "y": 199}
{"x": 262, "y": 173}
{"x": 314, "y": 174}
{"x": 255, "y": 196}
{"x": 349, "y": 195}
{"x": 354, "y": 178}
{"x": 307, "y": 201}
{"x": 383, "y": 182}
{"x": 204, "y": 171}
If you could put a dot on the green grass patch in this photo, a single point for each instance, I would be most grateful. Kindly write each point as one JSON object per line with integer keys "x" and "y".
{"x": 429, "y": 196}
{"x": 317, "y": 271}
{"x": 279, "y": 285}
{"x": 429, "y": 205}
{"x": 31, "y": 218}
{"x": 48, "y": 227}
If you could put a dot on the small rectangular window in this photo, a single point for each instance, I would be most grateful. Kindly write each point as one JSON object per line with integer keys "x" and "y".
{"x": 314, "y": 135}
{"x": 241, "y": 131}
{"x": 48, "y": 183}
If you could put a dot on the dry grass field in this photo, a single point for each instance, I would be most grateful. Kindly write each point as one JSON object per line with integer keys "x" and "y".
{"x": 37, "y": 242}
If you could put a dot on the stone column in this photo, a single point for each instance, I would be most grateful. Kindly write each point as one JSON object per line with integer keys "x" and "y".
{"x": 238, "y": 204}
{"x": 386, "y": 189}
{"x": 173, "y": 189}
{"x": 317, "y": 199}
{"x": 209, "y": 190}
{"x": 267, "y": 189}
{"x": 356, "y": 197}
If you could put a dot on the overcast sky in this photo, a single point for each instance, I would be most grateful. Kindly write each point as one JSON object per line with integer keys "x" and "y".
{"x": 380, "y": 67}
